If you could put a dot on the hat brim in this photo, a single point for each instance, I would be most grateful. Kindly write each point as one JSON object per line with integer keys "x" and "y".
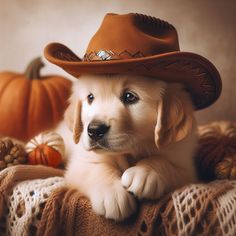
{"x": 197, "y": 73}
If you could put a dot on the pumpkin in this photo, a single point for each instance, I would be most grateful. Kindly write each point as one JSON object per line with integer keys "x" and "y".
{"x": 30, "y": 103}
{"x": 46, "y": 149}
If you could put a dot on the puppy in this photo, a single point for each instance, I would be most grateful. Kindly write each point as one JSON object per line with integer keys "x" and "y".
{"x": 134, "y": 137}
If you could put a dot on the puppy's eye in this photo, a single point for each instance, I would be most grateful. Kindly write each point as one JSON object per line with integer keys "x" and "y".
{"x": 129, "y": 97}
{"x": 90, "y": 98}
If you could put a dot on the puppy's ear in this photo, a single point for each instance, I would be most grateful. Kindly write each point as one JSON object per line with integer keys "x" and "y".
{"x": 174, "y": 116}
{"x": 73, "y": 119}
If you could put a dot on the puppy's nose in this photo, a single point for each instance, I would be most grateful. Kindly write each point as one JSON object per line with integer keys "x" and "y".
{"x": 97, "y": 130}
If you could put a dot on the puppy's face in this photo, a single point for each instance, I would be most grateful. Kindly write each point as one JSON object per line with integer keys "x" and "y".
{"x": 118, "y": 113}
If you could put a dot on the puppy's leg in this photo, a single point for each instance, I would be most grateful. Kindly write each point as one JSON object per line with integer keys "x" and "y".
{"x": 101, "y": 183}
{"x": 152, "y": 177}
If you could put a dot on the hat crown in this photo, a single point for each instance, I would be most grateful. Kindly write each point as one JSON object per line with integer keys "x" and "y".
{"x": 141, "y": 45}
{"x": 131, "y": 36}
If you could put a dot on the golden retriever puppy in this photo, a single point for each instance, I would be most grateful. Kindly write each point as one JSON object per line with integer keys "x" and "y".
{"x": 135, "y": 138}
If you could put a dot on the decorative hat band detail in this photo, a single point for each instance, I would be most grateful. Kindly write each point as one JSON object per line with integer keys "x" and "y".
{"x": 104, "y": 55}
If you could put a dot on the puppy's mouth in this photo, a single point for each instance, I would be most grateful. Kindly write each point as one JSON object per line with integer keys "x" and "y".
{"x": 96, "y": 146}
{"x": 118, "y": 144}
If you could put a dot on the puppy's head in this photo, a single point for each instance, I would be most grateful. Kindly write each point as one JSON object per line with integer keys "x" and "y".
{"x": 127, "y": 114}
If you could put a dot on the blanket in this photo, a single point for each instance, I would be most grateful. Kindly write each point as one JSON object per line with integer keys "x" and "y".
{"x": 195, "y": 209}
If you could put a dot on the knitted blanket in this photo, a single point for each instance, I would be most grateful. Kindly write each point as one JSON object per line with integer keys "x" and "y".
{"x": 35, "y": 201}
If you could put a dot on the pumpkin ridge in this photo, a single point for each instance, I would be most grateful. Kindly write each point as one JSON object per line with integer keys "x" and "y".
{"x": 43, "y": 157}
{"x": 38, "y": 100}
{"x": 11, "y": 78}
{"x": 55, "y": 113}
{"x": 67, "y": 91}
{"x": 61, "y": 83}
{"x": 62, "y": 93}
{"x": 27, "y": 111}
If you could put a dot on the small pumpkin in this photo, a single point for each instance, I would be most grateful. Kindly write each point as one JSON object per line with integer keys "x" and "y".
{"x": 46, "y": 149}
{"x": 31, "y": 103}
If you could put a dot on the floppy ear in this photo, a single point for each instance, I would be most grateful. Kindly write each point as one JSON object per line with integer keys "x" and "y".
{"x": 174, "y": 116}
{"x": 73, "y": 119}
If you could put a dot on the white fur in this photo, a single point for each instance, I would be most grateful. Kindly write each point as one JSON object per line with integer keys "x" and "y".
{"x": 135, "y": 159}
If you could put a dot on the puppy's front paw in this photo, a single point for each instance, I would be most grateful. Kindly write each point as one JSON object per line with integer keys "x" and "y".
{"x": 113, "y": 202}
{"x": 143, "y": 182}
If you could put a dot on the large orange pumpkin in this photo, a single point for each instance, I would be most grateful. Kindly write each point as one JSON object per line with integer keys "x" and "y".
{"x": 30, "y": 103}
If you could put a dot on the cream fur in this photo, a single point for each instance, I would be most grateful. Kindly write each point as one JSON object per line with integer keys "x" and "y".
{"x": 148, "y": 150}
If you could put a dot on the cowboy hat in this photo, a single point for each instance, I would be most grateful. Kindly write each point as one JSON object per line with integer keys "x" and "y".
{"x": 143, "y": 45}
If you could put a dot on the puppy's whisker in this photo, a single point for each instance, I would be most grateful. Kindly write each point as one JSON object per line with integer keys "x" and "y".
{"x": 105, "y": 147}
{"x": 119, "y": 142}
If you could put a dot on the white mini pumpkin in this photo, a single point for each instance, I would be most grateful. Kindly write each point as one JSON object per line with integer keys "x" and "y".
{"x": 47, "y": 148}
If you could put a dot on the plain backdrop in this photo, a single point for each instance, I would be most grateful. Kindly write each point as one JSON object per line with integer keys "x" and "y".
{"x": 206, "y": 27}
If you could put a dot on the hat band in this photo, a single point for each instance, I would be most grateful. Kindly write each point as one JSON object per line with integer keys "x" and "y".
{"x": 105, "y": 55}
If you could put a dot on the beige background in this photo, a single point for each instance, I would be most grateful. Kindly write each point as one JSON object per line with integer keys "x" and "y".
{"x": 206, "y": 27}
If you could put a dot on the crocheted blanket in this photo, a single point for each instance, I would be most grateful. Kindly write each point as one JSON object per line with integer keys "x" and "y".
{"x": 35, "y": 201}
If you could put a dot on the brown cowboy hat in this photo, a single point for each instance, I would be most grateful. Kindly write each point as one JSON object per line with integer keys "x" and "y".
{"x": 142, "y": 45}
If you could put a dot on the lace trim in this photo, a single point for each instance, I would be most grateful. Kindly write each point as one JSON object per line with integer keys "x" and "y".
{"x": 26, "y": 204}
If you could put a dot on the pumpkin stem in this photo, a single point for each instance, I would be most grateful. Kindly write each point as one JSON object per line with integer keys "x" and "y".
{"x": 33, "y": 69}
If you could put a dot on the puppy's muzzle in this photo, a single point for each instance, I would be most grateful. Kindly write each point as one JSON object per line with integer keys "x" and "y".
{"x": 97, "y": 130}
